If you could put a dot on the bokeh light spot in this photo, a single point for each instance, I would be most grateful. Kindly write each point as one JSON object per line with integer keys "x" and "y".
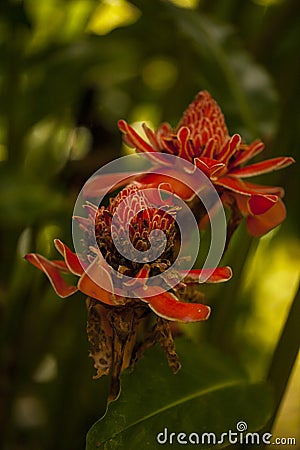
{"x": 160, "y": 74}
{"x": 111, "y": 14}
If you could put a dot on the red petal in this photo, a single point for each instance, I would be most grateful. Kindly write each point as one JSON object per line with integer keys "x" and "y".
{"x": 99, "y": 185}
{"x": 84, "y": 223}
{"x": 246, "y": 188}
{"x": 262, "y": 167}
{"x": 259, "y": 204}
{"x": 178, "y": 187}
{"x": 61, "y": 265}
{"x": 91, "y": 209}
{"x": 72, "y": 261}
{"x": 230, "y": 148}
{"x": 209, "y": 149}
{"x": 61, "y": 287}
{"x": 166, "y": 305}
{"x": 58, "y": 264}
{"x": 101, "y": 291}
{"x": 133, "y": 139}
{"x": 185, "y": 149}
{"x": 102, "y": 184}
{"x": 142, "y": 274}
{"x": 209, "y": 166}
{"x": 218, "y": 275}
{"x": 248, "y": 152}
{"x": 261, "y": 224}
{"x": 151, "y": 136}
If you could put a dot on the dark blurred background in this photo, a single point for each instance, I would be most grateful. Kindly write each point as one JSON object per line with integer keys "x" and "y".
{"x": 69, "y": 70}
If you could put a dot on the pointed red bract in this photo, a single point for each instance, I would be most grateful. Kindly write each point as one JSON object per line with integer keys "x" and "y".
{"x": 247, "y": 152}
{"x": 72, "y": 261}
{"x": 258, "y": 225}
{"x": 170, "y": 182}
{"x": 262, "y": 167}
{"x": 89, "y": 286}
{"x": 166, "y": 305}
{"x": 246, "y": 188}
{"x": 210, "y": 167}
{"x": 133, "y": 139}
{"x": 218, "y": 275}
{"x": 259, "y": 204}
{"x": 52, "y": 270}
{"x": 97, "y": 185}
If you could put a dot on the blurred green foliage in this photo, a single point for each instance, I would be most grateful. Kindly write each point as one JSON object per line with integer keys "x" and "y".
{"x": 69, "y": 70}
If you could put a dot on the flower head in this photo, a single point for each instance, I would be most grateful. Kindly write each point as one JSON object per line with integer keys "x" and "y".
{"x": 93, "y": 267}
{"x": 203, "y": 139}
{"x": 117, "y": 306}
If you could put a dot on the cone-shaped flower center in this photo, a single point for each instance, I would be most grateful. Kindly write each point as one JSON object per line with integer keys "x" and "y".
{"x": 130, "y": 220}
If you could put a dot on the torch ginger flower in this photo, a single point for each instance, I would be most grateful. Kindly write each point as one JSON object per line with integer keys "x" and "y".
{"x": 114, "y": 317}
{"x": 202, "y": 138}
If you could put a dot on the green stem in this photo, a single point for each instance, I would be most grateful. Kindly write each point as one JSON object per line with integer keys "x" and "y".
{"x": 223, "y": 320}
{"x": 282, "y": 363}
{"x": 284, "y": 356}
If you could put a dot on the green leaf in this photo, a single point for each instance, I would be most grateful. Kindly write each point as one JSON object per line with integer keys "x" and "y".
{"x": 209, "y": 394}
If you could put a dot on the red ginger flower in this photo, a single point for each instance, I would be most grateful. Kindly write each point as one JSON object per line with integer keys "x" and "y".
{"x": 114, "y": 317}
{"x": 203, "y": 139}
{"x": 93, "y": 267}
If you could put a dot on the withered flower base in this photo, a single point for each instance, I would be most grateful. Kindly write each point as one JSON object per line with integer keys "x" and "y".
{"x": 113, "y": 336}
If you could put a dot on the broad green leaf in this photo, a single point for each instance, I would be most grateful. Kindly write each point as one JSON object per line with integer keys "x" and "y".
{"x": 209, "y": 394}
